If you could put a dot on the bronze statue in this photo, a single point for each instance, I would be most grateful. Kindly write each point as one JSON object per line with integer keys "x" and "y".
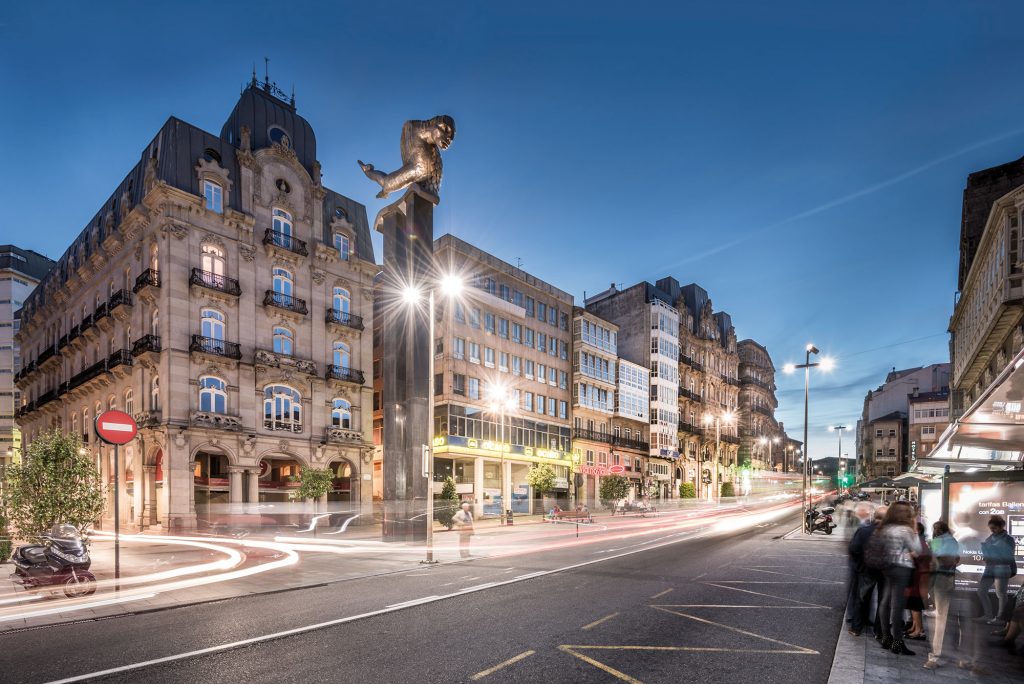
{"x": 422, "y": 142}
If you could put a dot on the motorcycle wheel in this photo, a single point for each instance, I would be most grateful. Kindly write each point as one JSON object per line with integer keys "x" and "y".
{"x": 828, "y": 530}
{"x": 80, "y": 585}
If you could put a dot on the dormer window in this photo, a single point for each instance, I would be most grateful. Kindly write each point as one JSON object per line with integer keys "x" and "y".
{"x": 214, "y": 195}
{"x": 343, "y": 243}
{"x": 278, "y": 135}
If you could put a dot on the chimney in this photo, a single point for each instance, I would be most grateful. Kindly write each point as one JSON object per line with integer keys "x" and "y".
{"x": 916, "y": 391}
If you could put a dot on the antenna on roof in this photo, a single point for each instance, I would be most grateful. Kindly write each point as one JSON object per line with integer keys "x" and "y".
{"x": 253, "y": 73}
{"x": 266, "y": 69}
{"x": 519, "y": 263}
{"x": 293, "y": 96}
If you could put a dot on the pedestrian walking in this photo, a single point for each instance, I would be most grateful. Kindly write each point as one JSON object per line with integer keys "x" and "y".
{"x": 901, "y": 546}
{"x": 1000, "y": 566}
{"x": 463, "y": 521}
{"x": 869, "y": 578}
{"x": 917, "y": 592}
{"x": 862, "y": 514}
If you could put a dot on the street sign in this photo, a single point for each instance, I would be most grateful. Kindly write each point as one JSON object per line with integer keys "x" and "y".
{"x": 116, "y": 427}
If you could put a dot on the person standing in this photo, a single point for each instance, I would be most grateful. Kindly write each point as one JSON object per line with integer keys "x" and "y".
{"x": 870, "y": 582}
{"x": 946, "y": 556}
{"x": 901, "y": 546}
{"x": 1000, "y": 566}
{"x": 855, "y": 563}
{"x": 917, "y": 594}
{"x": 463, "y": 521}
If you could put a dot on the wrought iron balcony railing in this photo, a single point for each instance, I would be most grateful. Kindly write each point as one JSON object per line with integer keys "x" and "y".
{"x": 286, "y": 302}
{"x": 122, "y": 357}
{"x": 285, "y": 241}
{"x": 345, "y": 374}
{"x": 211, "y": 345}
{"x": 146, "y": 343}
{"x": 215, "y": 281}
{"x": 345, "y": 318}
{"x": 120, "y": 298}
{"x": 148, "y": 278}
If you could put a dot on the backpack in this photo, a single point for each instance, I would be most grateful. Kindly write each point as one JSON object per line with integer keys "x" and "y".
{"x": 875, "y": 555}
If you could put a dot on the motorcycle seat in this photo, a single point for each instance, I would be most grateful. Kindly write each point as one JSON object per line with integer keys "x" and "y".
{"x": 34, "y": 554}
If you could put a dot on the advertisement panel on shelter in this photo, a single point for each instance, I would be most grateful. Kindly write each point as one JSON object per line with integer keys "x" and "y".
{"x": 972, "y": 499}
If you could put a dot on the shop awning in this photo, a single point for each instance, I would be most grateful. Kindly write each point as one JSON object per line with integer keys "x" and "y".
{"x": 989, "y": 435}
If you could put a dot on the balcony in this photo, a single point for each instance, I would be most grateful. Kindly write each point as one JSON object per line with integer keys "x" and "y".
{"x": 272, "y": 359}
{"x": 121, "y": 357}
{"x": 215, "y": 281}
{"x": 45, "y": 355}
{"x": 748, "y": 380}
{"x": 285, "y": 302}
{"x": 217, "y": 421}
{"x": 102, "y": 311}
{"x": 86, "y": 324}
{"x": 148, "y": 278}
{"x": 683, "y": 358}
{"x": 146, "y": 344}
{"x": 120, "y": 298}
{"x": 730, "y": 439}
{"x": 687, "y": 394}
{"x": 345, "y": 374}
{"x": 73, "y": 333}
{"x": 763, "y": 411}
{"x": 732, "y": 381}
{"x": 690, "y": 428}
{"x": 591, "y": 435}
{"x": 63, "y": 342}
{"x": 215, "y": 347}
{"x": 285, "y": 242}
{"x": 337, "y": 435}
{"x": 45, "y": 398}
{"x": 344, "y": 318}
{"x": 92, "y": 372}
{"x": 630, "y": 443}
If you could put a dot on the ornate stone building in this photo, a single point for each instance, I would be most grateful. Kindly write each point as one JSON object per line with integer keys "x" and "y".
{"x": 762, "y": 439}
{"x": 220, "y": 295}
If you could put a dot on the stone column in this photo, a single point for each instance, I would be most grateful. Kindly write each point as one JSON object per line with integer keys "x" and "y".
{"x": 478, "y": 487}
{"x": 149, "y": 505}
{"x": 506, "y": 494}
{"x": 254, "y": 490}
{"x": 235, "y": 491}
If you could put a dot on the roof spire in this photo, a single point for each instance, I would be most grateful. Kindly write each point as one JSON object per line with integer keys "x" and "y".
{"x": 293, "y": 96}
{"x": 253, "y": 82}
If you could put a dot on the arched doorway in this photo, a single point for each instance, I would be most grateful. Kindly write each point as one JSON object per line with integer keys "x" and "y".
{"x": 344, "y": 480}
{"x": 278, "y": 476}
{"x": 212, "y": 487}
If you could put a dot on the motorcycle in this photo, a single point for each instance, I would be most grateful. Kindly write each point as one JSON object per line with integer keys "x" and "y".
{"x": 62, "y": 560}
{"x": 821, "y": 519}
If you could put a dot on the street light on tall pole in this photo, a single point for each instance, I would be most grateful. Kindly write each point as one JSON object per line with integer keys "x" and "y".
{"x": 826, "y": 364}
{"x": 838, "y": 429}
{"x": 502, "y": 401}
{"x": 766, "y": 441}
{"x": 726, "y": 417}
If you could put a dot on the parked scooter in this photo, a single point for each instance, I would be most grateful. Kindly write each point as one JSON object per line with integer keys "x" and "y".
{"x": 821, "y": 519}
{"x": 62, "y": 560}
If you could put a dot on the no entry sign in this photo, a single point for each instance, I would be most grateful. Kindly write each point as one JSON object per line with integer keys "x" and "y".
{"x": 116, "y": 427}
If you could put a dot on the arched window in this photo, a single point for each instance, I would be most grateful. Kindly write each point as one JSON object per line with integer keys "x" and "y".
{"x": 99, "y": 408}
{"x": 85, "y": 421}
{"x": 74, "y": 423}
{"x": 154, "y": 393}
{"x": 154, "y": 322}
{"x": 341, "y": 414}
{"x": 282, "y": 228}
{"x": 212, "y": 324}
{"x": 154, "y": 259}
{"x": 213, "y": 259}
{"x": 111, "y": 290}
{"x": 111, "y": 402}
{"x": 283, "y": 341}
{"x": 213, "y": 194}
{"x": 128, "y": 278}
{"x": 282, "y": 281}
{"x": 343, "y": 244}
{"x": 213, "y": 394}
{"x": 342, "y": 355}
{"x": 282, "y": 408}
{"x": 342, "y": 300}
{"x": 129, "y": 402}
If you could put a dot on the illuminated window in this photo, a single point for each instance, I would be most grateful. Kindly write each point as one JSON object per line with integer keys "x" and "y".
{"x": 282, "y": 408}
{"x": 213, "y": 194}
{"x": 343, "y": 244}
{"x": 213, "y": 396}
{"x": 283, "y": 341}
{"x": 341, "y": 414}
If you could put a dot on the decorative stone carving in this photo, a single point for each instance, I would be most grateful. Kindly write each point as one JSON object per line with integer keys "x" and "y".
{"x": 307, "y": 367}
{"x": 245, "y": 142}
{"x": 248, "y": 253}
{"x": 181, "y": 439}
{"x": 178, "y": 231}
{"x": 149, "y": 178}
{"x": 341, "y": 436}
{"x": 282, "y": 445}
{"x": 267, "y": 358}
{"x": 217, "y": 421}
{"x": 318, "y": 276}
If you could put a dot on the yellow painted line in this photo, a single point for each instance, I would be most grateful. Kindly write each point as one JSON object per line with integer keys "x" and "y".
{"x": 658, "y": 595}
{"x": 601, "y": 666}
{"x": 510, "y": 661}
{"x": 799, "y": 649}
{"x": 595, "y": 623}
{"x": 758, "y": 593}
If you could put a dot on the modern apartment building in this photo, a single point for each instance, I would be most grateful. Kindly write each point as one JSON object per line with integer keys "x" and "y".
{"x": 221, "y": 295}
{"x": 927, "y": 417}
{"x": 20, "y": 271}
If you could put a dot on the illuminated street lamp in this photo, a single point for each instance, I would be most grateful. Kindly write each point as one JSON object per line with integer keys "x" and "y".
{"x": 726, "y": 417}
{"x": 826, "y": 364}
{"x": 838, "y": 429}
{"x": 502, "y": 400}
{"x": 766, "y": 441}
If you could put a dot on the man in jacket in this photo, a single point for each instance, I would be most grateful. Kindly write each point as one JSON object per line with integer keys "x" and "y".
{"x": 1000, "y": 566}
{"x": 868, "y": 580}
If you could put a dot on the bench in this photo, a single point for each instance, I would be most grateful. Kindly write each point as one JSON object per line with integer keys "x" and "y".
{"x": 577, "y": 516}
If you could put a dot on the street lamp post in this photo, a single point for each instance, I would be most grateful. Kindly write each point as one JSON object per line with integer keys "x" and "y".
{"x": 502, "y": 401}
{"x": 717, "y": 419}
{"x": 838, "y": 429}
{"x": 766, "y": 441}
{"x": 825, "y": 364}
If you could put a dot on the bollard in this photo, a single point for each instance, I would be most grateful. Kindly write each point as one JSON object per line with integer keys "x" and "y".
{"x": 508, "y": 516}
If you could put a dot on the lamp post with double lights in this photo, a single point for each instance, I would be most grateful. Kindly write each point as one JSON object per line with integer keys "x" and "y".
{"x": 825, "y": 364}
{"x": 451, "y": 286}
{"x": 726, "y": 417}
{"x": 502, "y": 401}
{"x": 838, "y": 429}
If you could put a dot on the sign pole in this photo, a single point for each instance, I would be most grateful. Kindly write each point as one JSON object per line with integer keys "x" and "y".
{"x": 116, "y": 428}
{"x": 117, "y": 521}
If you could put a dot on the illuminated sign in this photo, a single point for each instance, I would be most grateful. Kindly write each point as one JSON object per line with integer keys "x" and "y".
{"x": 601, "y": 470}
{"x": 498, "y": 447}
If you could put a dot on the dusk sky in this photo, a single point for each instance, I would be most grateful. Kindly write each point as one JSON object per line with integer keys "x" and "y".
{"x": 802, "y": 162}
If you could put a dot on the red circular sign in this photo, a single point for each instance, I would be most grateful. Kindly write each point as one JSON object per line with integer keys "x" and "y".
{"x": 116, "y": 427}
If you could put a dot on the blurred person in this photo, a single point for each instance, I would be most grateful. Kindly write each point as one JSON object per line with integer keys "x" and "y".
{"x": 463, "y": 521}
{"x": 862, "y": 514}
{"x": 917, "y": 592}
{"x": 1014, "y": 622}
{"x": 901, "y": 546}
{"x": 869, "y": 580}
{"x": 1000, "y": 566}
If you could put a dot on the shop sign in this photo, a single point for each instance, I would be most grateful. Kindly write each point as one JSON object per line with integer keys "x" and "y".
{"x": 601, "y": 470}
{"x": 490, "y": 446}
{"x": 561, "y": 483}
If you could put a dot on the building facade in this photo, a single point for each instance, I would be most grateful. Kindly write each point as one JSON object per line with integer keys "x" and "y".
{"x": 927, "y": 419}
{"x": 502, "y": 371}
{"x": 594, "y": 389}
{"x": 20, "y": 271}
{"x": 887, "y": 442}
{"x": 221, "y": 295}
{"x": 630, "y": 425}
{"x": 762, "y": 437}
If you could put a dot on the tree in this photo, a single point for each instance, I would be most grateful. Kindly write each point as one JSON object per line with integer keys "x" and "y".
{"x": 5, "y": 541}
{"x": 613, "y": 488}
{"x": 53, "y": 484}
{"x": 687, "y": 490}
{"x": 728, "y": 490}
{"x": 541, "y": 477}
{"x": 313, "y": 483}
{"x": 447, "y": 503}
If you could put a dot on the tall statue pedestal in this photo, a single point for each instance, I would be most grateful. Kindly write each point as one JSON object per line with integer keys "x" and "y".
{"x": 408, "y": 229}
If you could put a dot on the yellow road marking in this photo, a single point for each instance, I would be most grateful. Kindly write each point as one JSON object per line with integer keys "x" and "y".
{"x": 510, "y": 661}
{"x": 661, "y": 593}
{"x": 601, "y": 666}
{"x": 800, "y": 649}
{"x": 758, "y": 593}
{"x": 595, "y": 623}
{"x": 789, "y": 574}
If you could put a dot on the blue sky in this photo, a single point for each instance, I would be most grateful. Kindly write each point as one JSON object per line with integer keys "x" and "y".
{"x": 804, "y": 162}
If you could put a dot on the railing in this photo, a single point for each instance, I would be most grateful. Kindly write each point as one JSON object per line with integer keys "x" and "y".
{"x": 732, "y": 381}
{"x": 730, "y": 439}
{"x": 215, "y": 281}
{"x": 746, "y": 379}
{"x": 690, "y": 362}
{"x": 285, "y": 301}
{"x": 591, "y": 435}
{"x": 146, "y": 343}
{"x": 689, "y": 427}
{"x": 101, "y": 312}
{"x": 345, "y": 374}
{"x": 88, "y": 374}
{"x": 630, "y": 443}
{"x": 73, "y": 333}
{"x": 211, "y": 345}
{"x": 122, "y": 357}
{"x": 764, "y": 411}
{"x": 45, "y": 355}
{"x": 120, "y": 298}
{"x": 85, "y": 324}
{"x": 285, "y": 241}
{"x": 46, "y": 398}
{"x": 344, "y": 318}
{"x": 148, "y": 278}
{"x": 687, "y": 394}
{"x": 63, "y": 342}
